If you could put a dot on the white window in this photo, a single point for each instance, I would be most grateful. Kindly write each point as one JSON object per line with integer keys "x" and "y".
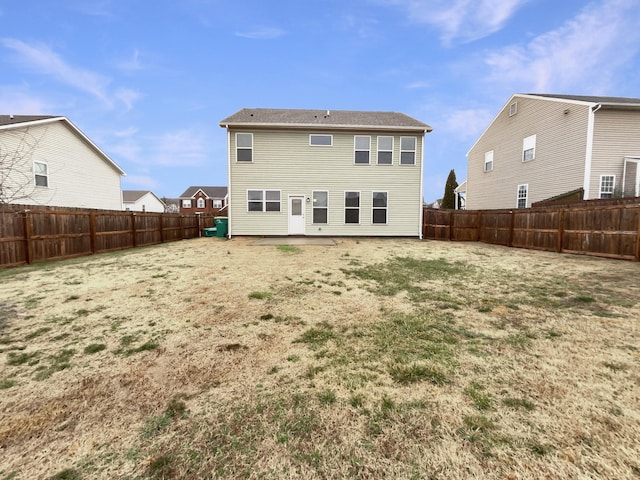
{"x": 216, "y": 203}
{"x": 407, "y": 150}
{"x": 41, "y": 174}
{"x": 529, "y": 148}
{"x": 263, "y": 200}
{"x": 379, "y": 201}
{"x": 186, "y": 203}
{"x": 488, "y": 161}
{"x": 385, "y": 150}
{"x": 321, "y": 140}
{"x": 607, "y": 185}
{"x": 351, "y": 207}
{"x": 523, "y": 193}
{"x": 320, "y": 207}
{"x": 200, "y": 202}
{"x": 362, "y": 149}
{"x": 513, "y": 109}
{"x": 244, "y": 147}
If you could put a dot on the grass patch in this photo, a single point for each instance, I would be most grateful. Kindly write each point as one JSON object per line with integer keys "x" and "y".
{"x": 327, "y": 397}
{"x": 481, "y": 399}
{"x": 317, "y": 337}
{"x": 94, "y": 348}
{"x": 518, "y": 403}
{"x": 7, "y": 383}
{"x": 37, "y": 333}
{"x": 407, "y": 374}
{"x": 68, "y": 474}
{"x": 259, "y": 295}
{"x": 58, "y": 363}
{"x": 14, "y": 359}
{"x": 288, "y": 249}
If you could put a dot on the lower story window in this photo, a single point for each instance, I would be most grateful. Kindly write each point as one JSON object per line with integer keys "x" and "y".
{"x": 320, "y": 207}
{"x": 41, "y": 174}
{"x": 379, "y": 207}
{"x": 351, "y": 207}
{"x": 523, "y": 194}
{"x": 607, "y": 185}
{"x": 263, "y": 200}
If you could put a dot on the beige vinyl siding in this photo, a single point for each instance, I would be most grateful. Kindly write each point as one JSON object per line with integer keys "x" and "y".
{"x": 77, "y": 175}
{"x": 558, "y": 166}
{"x": 284, "y": 160}
{"x": 616, "y": 135}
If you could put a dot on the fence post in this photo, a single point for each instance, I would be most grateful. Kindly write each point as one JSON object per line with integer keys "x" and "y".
{"x": 28, "y": 251}
{"x": 198, "y": 223}
{"x": 560, "y": 243}
{"x": 92, "y": 232}
{"x": 479, "y": 230}
{"x": 161, "y": 223}
{"x": 181, "y": 227}
{"x": 638, "y": 237}
{"x": 133, "y": 229}
{"x": 512, "y": 221}
{"x": 451, "y": 220}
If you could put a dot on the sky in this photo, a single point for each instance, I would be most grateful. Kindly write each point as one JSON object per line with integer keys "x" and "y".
{"x": 149, "y": 81}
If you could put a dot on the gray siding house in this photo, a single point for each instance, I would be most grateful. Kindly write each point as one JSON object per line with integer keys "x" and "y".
{"x": 540, "y": 146}
{"x": 324, "y": 173}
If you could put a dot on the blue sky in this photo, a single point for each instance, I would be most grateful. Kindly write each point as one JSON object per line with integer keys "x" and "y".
{"x": 149, "y": 81}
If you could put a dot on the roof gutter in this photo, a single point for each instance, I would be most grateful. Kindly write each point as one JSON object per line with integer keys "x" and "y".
{"x": 321, "y": 126}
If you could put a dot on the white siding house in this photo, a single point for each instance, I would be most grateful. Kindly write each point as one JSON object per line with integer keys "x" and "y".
{"x": 324, "y": 173}
{"x": 48, "y": 161}
{"x": 542, "y": 146}
{"x": 142, "y": 201}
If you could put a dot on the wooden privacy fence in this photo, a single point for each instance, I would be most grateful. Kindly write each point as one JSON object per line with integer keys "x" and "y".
{"x": 606, "y": 231}
{"x": 36, "y": 235}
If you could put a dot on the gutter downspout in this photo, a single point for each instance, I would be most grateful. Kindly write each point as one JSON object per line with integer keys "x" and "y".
{"x": 424, "y": 135}
{"x": 589, "y": 151}
{"x": 229, "y": 196}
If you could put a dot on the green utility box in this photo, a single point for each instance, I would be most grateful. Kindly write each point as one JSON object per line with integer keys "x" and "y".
{"x": 222, "y": 226}
{"x": 209, "y": 232}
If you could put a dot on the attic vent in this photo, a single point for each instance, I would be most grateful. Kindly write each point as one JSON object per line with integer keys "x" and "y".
{"x": 513, "y": 109}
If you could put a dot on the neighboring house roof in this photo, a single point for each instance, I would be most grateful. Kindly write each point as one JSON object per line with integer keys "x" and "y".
{"x": 606, "y": 101}
{"x": 131, "y": 196}
{"x": 210, "y": 192}
{"x": 8, "y": 122}
{"x": 323, "y": 119}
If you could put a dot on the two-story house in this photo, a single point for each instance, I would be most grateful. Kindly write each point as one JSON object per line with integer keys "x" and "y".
{"x": 142, "y": 201}
{"x": 542, "y": 146}
{"x": 324, "y": 173}
{"x": 197, "y": 199}
{"x": 47, "y": 160}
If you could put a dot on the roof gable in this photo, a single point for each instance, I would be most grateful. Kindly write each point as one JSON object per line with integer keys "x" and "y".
{"x": 323, "y": 119}
{"x": 210, "y": 192}
{"x": 131, "y": 196}
{"x": 8, "y": 122}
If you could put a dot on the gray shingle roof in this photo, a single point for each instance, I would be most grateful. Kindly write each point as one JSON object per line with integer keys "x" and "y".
{"x": 211, "y": 192}
{"x": 591, "y": 99}
{"x": 272, "y": 117}
{"x": 11, "y": 119}
{"x": 133, "y": 195}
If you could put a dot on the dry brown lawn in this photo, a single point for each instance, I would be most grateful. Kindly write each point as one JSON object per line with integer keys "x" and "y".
{"x": 370, "y": 359}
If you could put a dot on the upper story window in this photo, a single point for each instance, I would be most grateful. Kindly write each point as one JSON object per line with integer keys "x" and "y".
{"x": 513, "y": 109}
{"x": 320, "y": 207}
{"x": 244, "y": 147}
{"x": 488, "y": 161}
{"x": 407, "y": 150}
{"x": 362, "y": 149}
{"x": 385, "y": 150}
{"x": 529, "y": 148}
{"x": 607, "y": 186}
{"x": 321, "y": 140}
{"x": 41, "y": 174}
{"x": 523, "y": 195}
{"x": 186, "y": 203}
{"x": 200, "y": 202}
{"x": 216, "y": 203}
{"x": 263, "y": 200}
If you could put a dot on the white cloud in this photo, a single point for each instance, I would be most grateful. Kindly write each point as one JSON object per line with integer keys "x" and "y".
{"x": 142, "y": 182}
{"x": 17, "y": 100}
{"x": 466, "y": 124}
{"x": 131, "y": 64}
{"x": 179, "y": 148}
{"x": 581, "y": 56}
{"x": 44, "y": 60}
{"x": 263, "y": 33}
{"x": 418, "y": 85}
{"x": 462, "y": 20}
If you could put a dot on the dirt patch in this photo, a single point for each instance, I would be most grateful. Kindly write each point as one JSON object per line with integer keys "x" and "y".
{"x": 367, "y": 359}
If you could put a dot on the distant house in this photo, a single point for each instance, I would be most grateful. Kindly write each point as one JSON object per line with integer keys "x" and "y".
{"x": 542, "y": 146}
{"x": 197, "y": 199}
{"x": 142, "y": 201}
{"x": 47, "y": 160}
{"x": 320, "y": 172}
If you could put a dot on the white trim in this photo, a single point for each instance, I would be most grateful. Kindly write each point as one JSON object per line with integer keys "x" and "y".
{"x": 245, "y": 148}
{"x": 513, "y": 108}
{"x": 313, "y": 206}
{"x": 228, "y": 196}
{"x": 356, "y": 149}
{"x": 588, "y": 155}
{"x": 386, "y": 207}
{"x": 421, "y": 196}
{"x": 264, "y": 200}
{"x": 48, "y": 185}
{"x": 613, "y": 186}
{"x": 529, "y": 143}
{"x": 378, "y": 150}
{"x": 488, "y": 159}
{"x": 344, "y": 210}
{"x": 204, "y": 202}
{"x": 182, "y": 203}
{"x": 320, "y": 135}
{"x": 415, "y": 151}
{"x": 303, "y": 210}
{"x": 526, "y": 197}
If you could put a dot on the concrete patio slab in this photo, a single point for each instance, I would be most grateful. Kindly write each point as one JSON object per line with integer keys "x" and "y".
{"x": 294, "y": 241}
